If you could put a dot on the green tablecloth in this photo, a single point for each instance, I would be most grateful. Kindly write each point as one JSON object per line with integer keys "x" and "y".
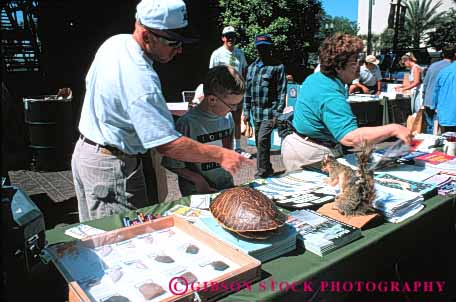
{"x": 380, "y": 246}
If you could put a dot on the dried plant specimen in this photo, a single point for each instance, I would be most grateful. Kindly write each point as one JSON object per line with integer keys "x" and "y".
{"x": 151, "y": 290}
{"x": 164, "y": 259}
{"x": 219, "y": 265}
{"x": 189, "y": 277}
{"x": 192, "y": 249}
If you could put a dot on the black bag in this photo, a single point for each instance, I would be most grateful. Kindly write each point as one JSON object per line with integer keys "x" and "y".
{"x": 284, "y": 124}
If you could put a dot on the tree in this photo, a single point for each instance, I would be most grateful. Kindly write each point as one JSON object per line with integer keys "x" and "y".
{"x": 292, "y": 24}
{"x": 445, "y": 33}
{"x": 385, "y": 40}
{"x": 421, "y": 17}
{"x": 344, "y": 25}
{"x": 331, "y": 25}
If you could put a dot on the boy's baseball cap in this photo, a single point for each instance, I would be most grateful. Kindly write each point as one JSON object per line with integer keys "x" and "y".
{"x": 169, "y": 16}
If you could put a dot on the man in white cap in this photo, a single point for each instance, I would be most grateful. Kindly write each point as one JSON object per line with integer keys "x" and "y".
{"x": 228, "y": 54}
{"x": 370, "y": 77}
{"x": 124, "y": 114}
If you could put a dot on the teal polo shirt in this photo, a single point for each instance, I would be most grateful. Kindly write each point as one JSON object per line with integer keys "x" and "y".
{"x": 322, "y": 111}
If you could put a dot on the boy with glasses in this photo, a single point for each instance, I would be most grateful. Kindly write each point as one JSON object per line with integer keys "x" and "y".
{"x": 211, "y": 123}
{"x": 228, "y": 54}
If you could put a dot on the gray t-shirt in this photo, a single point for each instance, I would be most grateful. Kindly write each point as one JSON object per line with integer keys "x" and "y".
{"x": 206, "y": 128}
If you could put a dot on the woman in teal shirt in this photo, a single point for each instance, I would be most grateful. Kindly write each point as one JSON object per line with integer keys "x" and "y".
{"x": 323, "y": 119}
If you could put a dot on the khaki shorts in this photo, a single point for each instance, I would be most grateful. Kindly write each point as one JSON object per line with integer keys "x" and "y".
{"x": 298, "y": 152}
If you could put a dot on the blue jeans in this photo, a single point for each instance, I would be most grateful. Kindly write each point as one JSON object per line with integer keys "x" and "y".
{"x": 429, "y": 118}
{"x": 106, "y": 184}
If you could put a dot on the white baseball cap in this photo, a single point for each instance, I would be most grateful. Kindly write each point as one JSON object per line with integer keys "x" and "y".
{"x": 168, "y": 16}
{"x": 228, "y": 30}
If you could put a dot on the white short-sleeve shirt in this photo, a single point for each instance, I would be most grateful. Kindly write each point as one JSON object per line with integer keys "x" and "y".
{"x": 124, "y": 106}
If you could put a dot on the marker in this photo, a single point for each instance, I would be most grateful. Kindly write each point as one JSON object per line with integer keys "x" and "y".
{"x": 142, "y": 217}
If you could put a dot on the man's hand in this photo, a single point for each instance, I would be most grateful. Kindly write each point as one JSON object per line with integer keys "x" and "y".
{"x": 403, "y": 134}
{"x": 365, "y": 89}
{"x": 232, "y": 161}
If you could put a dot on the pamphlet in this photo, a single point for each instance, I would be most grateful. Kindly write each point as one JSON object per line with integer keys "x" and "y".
{"x": 321, "y": 234}
{"x": 83, "y": 230}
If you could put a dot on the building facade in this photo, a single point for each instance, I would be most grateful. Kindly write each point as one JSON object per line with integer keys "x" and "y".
{"x": 380, "y": 13}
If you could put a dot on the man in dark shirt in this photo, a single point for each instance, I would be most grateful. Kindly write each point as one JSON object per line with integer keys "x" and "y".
{"x": 266, "y": 86}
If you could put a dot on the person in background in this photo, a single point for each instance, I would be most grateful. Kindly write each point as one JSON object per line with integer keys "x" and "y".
{"x": 265, "y": 98}
{"x": 229, "y": 54}
{"x": 124, "y": 114}
{"x": 323, "y": 120}
{"x": 370, "y": 77}
{"x": 199, "y": 95}
{"x": 444, "y": 97}
{"x": 429, "y": 84}
{"x": 408, "y": 60}
{"x": 209, "y": 123}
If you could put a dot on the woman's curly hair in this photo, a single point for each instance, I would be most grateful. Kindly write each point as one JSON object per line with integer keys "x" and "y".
{"x": 336, "y": 51}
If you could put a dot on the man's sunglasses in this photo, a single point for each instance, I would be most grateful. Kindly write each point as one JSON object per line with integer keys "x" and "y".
{"x": 167, "y": 41}
{"x": 163, "y": 39}
{"x": 231, "y": 36}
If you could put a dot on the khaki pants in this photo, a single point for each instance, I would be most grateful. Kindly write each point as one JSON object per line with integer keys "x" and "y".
{"x": 106, "y": 184}
{"x": 297, "y": 153}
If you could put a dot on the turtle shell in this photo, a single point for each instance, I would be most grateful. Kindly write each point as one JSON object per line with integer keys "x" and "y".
{"x": 247, "y": 212}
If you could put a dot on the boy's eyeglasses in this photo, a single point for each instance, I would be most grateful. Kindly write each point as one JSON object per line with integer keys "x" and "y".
{"x": 232, "y": 107}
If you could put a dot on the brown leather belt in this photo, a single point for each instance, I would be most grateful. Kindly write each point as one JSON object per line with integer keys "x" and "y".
{"x": 107, "y": 150}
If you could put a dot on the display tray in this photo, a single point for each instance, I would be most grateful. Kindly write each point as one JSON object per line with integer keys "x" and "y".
{"x": 167, "y": 259}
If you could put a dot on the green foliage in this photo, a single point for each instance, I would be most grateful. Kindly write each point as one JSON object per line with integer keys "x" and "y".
{"x": 421, "y": 17}
{"x": 293, "y": 25}
{"x": 344, "y": 25}
{"x": 386, "y": 40}
{"x": 445, "y": 33}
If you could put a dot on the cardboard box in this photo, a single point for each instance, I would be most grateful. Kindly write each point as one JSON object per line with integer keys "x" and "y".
{"x": 243, "y": 269}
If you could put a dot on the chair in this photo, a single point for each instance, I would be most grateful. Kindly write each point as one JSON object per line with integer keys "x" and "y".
{"x": 188, "y": 95}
